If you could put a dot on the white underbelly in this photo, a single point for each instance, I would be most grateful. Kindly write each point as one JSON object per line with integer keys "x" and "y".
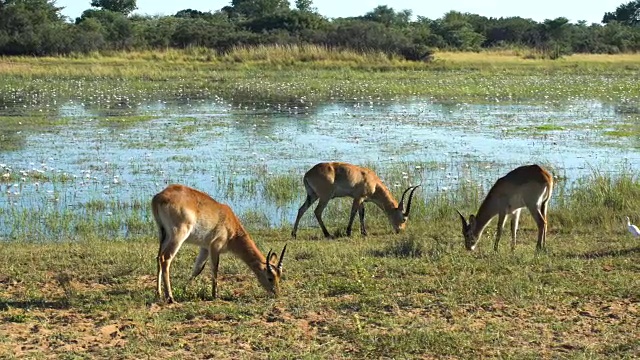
{"x": 205, "y": 238}
{"x": 517, "y": 203}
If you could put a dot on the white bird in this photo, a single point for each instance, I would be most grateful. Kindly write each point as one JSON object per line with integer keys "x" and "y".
{"x": 632, "y": 228}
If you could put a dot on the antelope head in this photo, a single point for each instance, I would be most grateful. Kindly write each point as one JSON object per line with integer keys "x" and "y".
{"x": 399, "y": 217}
{"x": 470, "y": 237}
{"x": 270, "y": 277}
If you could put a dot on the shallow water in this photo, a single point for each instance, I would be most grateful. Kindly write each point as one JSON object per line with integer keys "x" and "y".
{"x": 114, "y": 158}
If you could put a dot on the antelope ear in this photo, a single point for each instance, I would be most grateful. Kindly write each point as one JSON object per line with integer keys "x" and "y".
{"x": 273, "y": 258}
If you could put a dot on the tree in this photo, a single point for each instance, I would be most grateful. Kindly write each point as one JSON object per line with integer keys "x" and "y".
{"x": 557, "y": 29}
{"x": 120, "y": 6}
{"x": 33, "y": 27}
{"x": 258, "y": 8}
{"x": 156, "y": 32}
{"x": 457, "y": 31}
{"x": 620, "y": 38}
{"x": 88, "y": 36}
{"x": 555, "y": 33}
{"x": 387, "y": 16}
{"x": 305, "y": 5}
{"x": 116, "y": 27}
{"x": 364, "y": 35}
{"x": 194, "y": 14}
{"x": 511, "y": 30}
{"x": 192, "y": 32}
{"x": 628, "y": 14}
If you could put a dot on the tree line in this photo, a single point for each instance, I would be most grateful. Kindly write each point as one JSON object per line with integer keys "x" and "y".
{"x": 37, "y": 27}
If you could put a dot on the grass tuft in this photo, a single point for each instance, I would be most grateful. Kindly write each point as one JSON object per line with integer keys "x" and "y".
{"x": 408, "y": 246}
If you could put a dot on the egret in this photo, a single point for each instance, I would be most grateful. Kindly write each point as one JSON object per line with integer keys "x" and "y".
{"x": 632, "y": 228}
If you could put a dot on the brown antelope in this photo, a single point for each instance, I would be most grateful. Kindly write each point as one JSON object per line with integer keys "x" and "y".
{"x": 526, "y": 186}
{"x": 329, "y": 180}
{"x": 187, "y": 215}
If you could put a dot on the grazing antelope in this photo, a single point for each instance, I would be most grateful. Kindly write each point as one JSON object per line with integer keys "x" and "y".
{"x": 329, "y": 180}
{"x": 526, "y": 186}
{"x": 186, "y": 214}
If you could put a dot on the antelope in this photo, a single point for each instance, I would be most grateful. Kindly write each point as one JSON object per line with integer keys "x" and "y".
{"x": 184, "y": 214}
{"x": 527, "y": 186}
{"x": 329, "y": 180}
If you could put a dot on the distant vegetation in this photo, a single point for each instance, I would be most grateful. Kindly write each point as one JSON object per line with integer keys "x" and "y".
{"x": 36, "y": 27}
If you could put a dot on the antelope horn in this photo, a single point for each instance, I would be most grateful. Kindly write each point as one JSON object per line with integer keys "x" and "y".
{"x": 401, "y": 205}
{"x": 464, "y": 221}
{"x": 409, "y": 201}
{"x": 268, "y": 263}
{"x": 281, "y": 256}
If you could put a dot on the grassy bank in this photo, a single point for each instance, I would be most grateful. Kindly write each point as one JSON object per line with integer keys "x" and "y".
{"x": 309, "y": 56}
{"x": 415, "y": 295}
{"x": 302, "y": 76}
{"x": 418, "y": 294}
{"x": 596, "y": 203}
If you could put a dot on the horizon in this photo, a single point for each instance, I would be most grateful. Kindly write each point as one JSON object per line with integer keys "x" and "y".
{"x": 573, "y": 10}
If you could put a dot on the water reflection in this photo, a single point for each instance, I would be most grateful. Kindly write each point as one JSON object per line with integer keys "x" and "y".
{"x": 229, "y": 149}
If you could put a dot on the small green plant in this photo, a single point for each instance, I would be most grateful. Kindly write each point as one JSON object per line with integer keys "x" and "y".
{"x": 17, "y": 318}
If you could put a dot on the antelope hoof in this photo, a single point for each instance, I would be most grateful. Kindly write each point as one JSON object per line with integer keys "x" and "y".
{"x": 170, "y": 300}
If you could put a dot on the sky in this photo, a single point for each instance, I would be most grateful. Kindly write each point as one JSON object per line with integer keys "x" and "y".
{"x": 574, "y": 10}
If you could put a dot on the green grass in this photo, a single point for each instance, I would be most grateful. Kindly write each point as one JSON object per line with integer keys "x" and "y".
{"x": 549, "y": 127}
{"x": 282, "y": 189}
{"x": 620, "y": 133}
{"x": 624, "y": 131}
{"x": 341, "y": 298}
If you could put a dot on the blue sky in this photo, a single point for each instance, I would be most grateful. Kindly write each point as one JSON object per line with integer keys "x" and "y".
{"x": 574, "y": 10}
